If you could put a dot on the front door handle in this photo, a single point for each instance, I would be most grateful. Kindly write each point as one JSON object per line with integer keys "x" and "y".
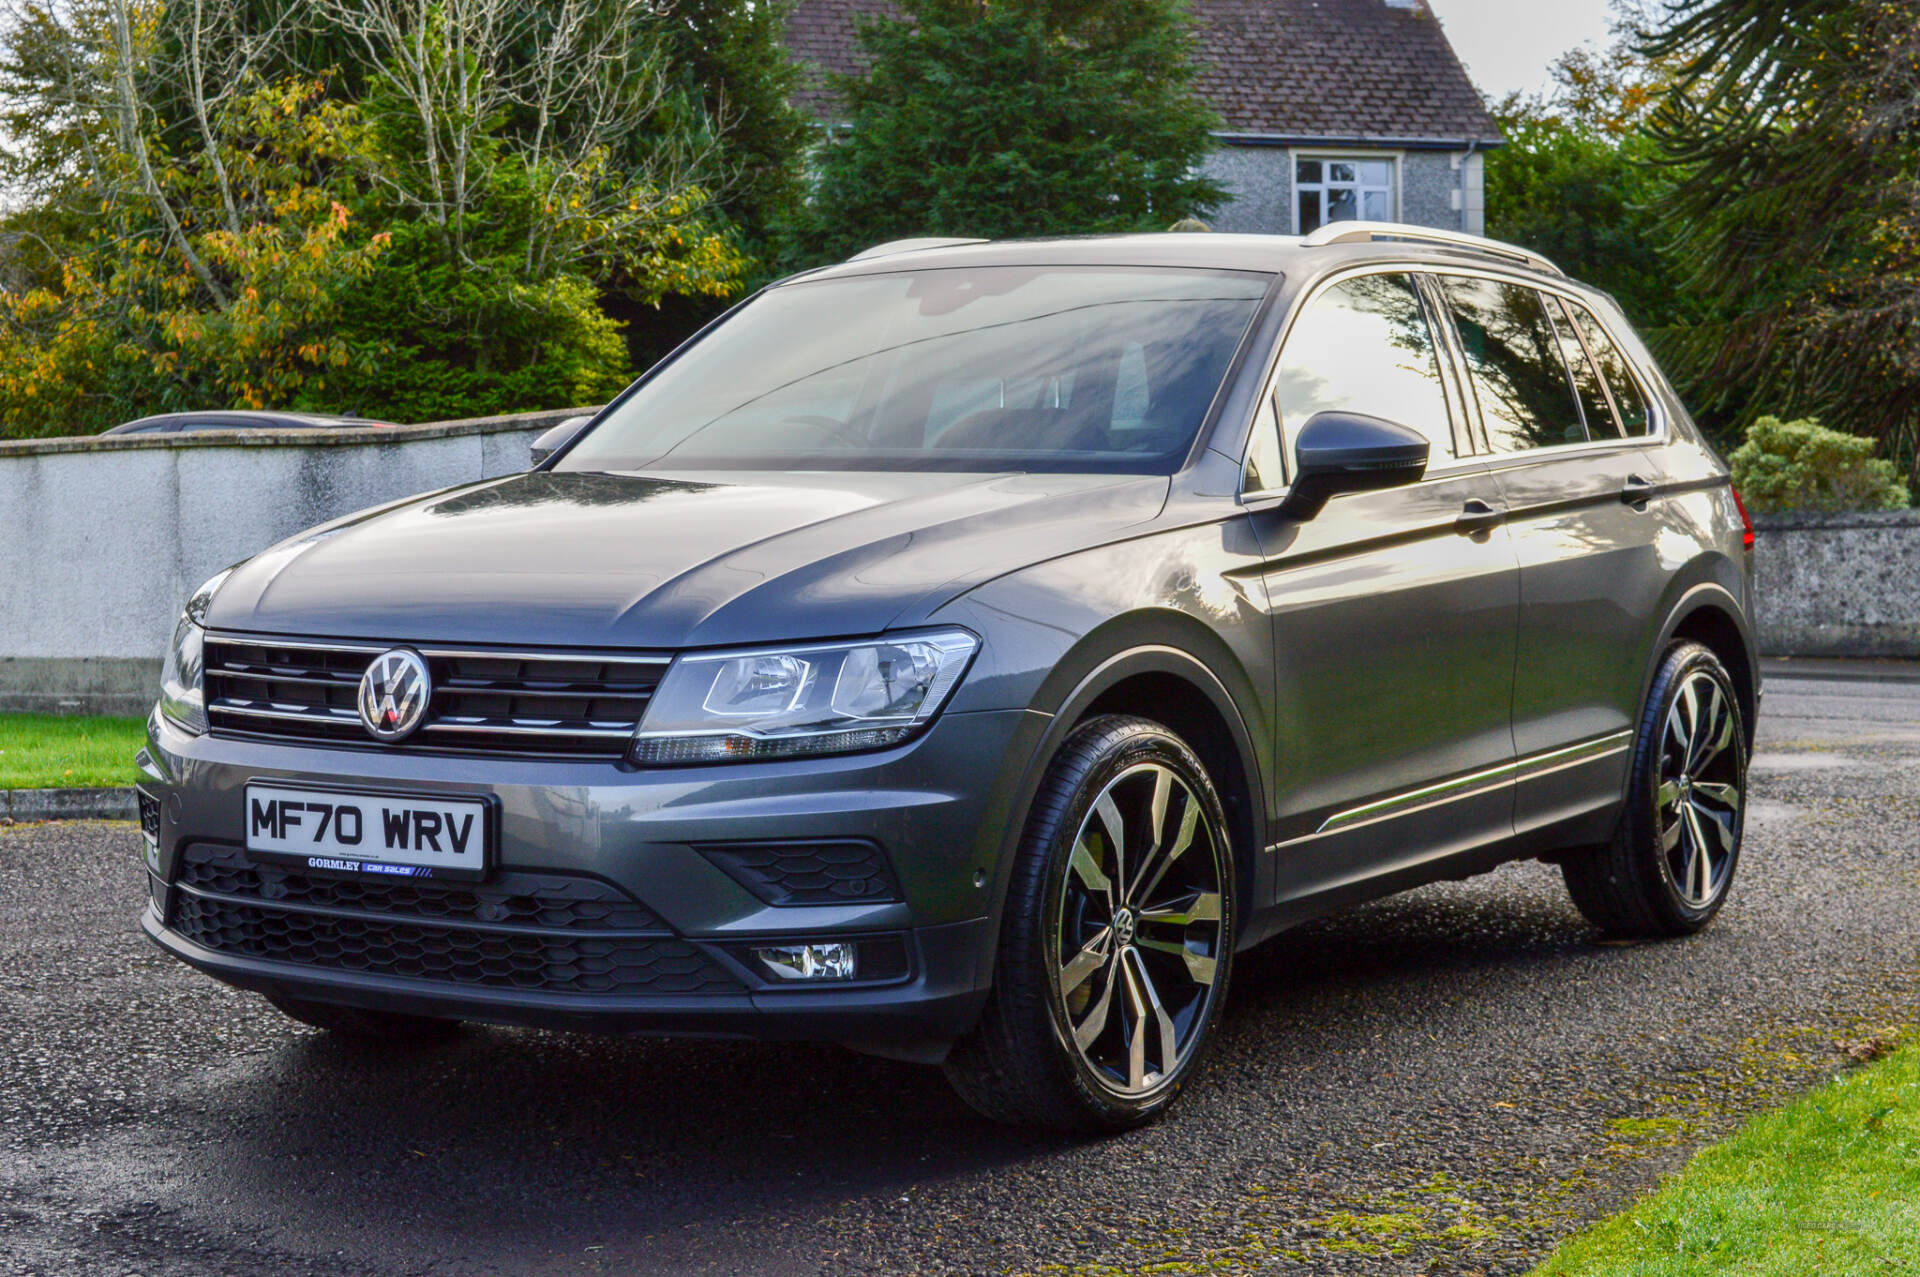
{"x": 1477, "y": 516}
{"x": 1636, "y": 491}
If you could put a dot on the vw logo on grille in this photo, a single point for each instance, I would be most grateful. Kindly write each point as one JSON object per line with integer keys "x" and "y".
{"x": 394, "y": 693}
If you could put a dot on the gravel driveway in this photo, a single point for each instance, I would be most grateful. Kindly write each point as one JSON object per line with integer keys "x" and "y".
{"x": 1448, "y": 1081}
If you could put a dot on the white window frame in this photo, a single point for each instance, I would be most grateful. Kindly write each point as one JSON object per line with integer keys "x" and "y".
{"x": 1393, "y": 188}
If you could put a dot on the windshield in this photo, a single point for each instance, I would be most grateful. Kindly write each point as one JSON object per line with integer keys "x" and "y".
{"x": 986, "y": 369}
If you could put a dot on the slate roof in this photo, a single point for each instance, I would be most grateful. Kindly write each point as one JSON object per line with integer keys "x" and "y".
{"x": 1346, "y": 69}
{"x": 820, "y": 34}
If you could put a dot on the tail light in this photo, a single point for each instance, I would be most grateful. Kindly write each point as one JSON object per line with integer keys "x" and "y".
{"x": 1746, "y": 520}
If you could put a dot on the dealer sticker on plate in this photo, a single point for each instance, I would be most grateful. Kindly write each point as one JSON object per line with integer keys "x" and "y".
{"x": 387, "y": 834}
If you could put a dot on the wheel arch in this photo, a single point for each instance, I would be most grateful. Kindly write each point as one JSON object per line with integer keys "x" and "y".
{"x": 1179, "y": 701}
{"x": 1707, "y": 614}
{"x": 1160, "y": 677}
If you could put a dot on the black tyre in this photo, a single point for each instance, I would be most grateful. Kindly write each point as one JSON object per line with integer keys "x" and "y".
{"x": 1117, "y": 941}
{"x": 364, "y": 1025}
{"x": 1668, "y": 869}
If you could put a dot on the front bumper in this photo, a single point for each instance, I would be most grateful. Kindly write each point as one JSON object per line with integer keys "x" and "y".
{"x": 643, "y": 844}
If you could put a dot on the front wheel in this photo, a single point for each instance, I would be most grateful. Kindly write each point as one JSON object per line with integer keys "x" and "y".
{"x": 1668, "y": 869}
{"x": 1117, "y": 940}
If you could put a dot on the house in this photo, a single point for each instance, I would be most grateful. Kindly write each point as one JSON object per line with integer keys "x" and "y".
{"x": 1332, "y": 110}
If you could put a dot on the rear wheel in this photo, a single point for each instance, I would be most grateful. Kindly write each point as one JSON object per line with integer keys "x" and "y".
{"x": 1117, "y": 940}
{"x": 362, "y": 1024}
{"x": 1670, "y": 866}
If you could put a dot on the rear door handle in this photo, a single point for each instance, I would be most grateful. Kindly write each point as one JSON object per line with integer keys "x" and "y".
{"x": 1477, "y": 516}
{"x": 1637, "y": 491}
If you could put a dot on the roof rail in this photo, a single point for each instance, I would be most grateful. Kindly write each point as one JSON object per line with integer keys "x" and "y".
{"x": 911, "y": 246}
{"x": 1372, "y": 232}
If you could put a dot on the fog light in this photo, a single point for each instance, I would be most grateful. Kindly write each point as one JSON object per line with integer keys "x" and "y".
{"x": 808, "y": 961}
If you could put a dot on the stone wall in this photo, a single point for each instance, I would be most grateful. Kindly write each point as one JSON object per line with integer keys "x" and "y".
{"x": 101, "y": 539}
{"x": 1839, "y": 584}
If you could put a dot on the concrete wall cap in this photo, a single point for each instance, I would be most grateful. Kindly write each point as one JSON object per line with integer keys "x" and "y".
{"x": 1817, "y": 521}
{"x": 24, "y": 805}
{"x": 319, "y": 438}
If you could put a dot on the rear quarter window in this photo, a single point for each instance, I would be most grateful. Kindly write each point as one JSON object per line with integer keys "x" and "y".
{"x": 1628, "y": 398}
{"x": 1587, "y": 381}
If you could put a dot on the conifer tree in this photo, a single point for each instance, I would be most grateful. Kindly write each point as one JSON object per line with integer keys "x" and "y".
{"x": 1016, "y": 118}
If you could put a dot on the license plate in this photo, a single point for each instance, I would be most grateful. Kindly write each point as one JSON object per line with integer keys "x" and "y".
{"x": 388, "y": 835}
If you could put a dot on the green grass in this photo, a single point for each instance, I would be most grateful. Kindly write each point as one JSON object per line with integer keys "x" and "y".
{"x": 1828, "y": 1184}
{"x": 41, "y": 751}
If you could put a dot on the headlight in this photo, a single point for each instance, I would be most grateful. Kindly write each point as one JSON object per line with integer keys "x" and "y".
{"x": 793, "y": 701}
{"x": 182, "y": 694}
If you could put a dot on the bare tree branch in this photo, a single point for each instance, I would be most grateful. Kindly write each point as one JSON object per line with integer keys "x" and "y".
{"x": 130, "y": 121}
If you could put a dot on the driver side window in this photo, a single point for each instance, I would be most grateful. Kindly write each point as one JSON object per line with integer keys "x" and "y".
{"x": 1365, "y": 346}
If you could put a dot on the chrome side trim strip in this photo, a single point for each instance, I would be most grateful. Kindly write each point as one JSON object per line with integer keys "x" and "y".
{"x": 1559, "y": 759}
{"x": 1529, "y": 768}
{"x": 1445, "y": 792}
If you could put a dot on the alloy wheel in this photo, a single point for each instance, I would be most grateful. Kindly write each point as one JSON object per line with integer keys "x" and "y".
{"x": 1700, "y": 790}
{"x": 1140, "y": 929}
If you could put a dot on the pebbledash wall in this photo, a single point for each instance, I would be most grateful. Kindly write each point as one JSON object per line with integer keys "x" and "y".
{"x": 1442, "y": 188}
{"x": 1839, "y": 584}
{"x": 101, "y": 539}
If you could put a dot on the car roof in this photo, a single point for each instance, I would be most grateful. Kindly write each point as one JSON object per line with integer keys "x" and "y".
{"x": 1337, "y": 246}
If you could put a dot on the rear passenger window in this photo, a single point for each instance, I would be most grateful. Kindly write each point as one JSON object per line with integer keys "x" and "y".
{"x": 1586, "y": 381}
{"x": 1627, "y": 396}
{"x": 1365, "y": 346}
{"x": 1514, "y": 362}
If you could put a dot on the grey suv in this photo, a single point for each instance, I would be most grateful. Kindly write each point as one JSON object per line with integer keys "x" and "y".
{"x": 960, "y": 653}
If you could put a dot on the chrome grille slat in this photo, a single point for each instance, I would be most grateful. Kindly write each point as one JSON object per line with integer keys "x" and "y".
{"x": 510, "y": 654}
{"x": 290, "y": 713}
{"x": 525, "y": 729}
{"x": 573, "y": 692}
{"x": 276, "y": 676}
{"x": 509, "y": 701}
{"x": 293, "y": 645}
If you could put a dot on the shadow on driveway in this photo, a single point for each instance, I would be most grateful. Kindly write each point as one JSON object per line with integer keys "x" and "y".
{"x": 525, "y": 1143}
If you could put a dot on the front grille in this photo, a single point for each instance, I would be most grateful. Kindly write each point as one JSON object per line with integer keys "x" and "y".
{"x": 456, "y": 955}
{"x": 149, "y": 815}
{"x": 557, "y": 901}
{"x": 807, "y": 873}
{"x": 575, "y": 704}
{"x": 548, "y": 933}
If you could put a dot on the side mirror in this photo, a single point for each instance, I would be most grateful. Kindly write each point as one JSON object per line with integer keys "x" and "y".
{"x": 557, "y": 438}
{"x": 1340, "y": 452}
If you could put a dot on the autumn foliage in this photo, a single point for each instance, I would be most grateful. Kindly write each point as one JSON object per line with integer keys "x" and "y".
{"x": 429, "y": 225}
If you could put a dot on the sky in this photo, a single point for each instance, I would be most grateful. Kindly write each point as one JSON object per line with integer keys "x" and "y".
{"x": 1508, "y": 44}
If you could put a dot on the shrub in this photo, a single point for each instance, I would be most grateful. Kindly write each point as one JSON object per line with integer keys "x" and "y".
{"x": 1802, "y": 465}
